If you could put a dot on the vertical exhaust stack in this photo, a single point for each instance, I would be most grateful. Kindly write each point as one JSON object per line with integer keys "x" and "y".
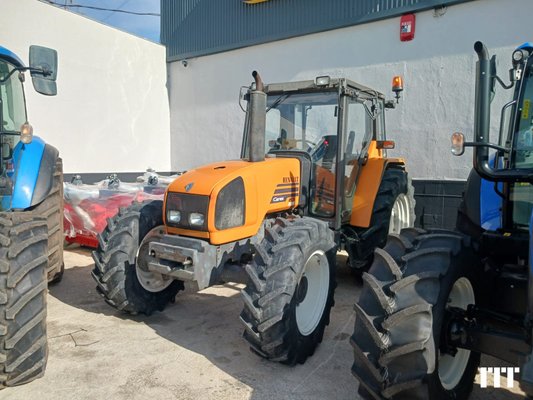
{"x": 257, "y": 124}
{"x": 482, "y": 108}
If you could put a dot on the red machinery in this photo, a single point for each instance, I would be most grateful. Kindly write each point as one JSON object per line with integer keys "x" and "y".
{"x": 88, "y": 207}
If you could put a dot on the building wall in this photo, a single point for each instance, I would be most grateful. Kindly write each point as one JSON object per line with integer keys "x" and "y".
{"x": 438, "y": 67}
{"x": 192, "y": 28}
{"x": 111, "y": 113}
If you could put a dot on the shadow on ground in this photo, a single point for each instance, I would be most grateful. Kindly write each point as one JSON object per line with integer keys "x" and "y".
{"x": 207, "y": 323}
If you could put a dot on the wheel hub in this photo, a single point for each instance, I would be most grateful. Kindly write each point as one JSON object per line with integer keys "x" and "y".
{"x": 452, "y": 367}
{"x": 151, "y": 281}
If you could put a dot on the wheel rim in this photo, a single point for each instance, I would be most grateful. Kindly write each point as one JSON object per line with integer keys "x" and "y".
{"x": 400, "y": 214}
{"x": 452, "y": 368}
{"x": 151, "y": 281}
{"x": 312, "y": 300}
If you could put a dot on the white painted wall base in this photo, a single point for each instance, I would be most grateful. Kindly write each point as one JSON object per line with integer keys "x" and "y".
{"x": 111, "y": 113}
{"x": 438, "y": 68}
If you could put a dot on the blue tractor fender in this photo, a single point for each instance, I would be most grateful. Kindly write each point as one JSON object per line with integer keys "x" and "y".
{"x": 33, "y": 175}
{"x": 490, "y": 204}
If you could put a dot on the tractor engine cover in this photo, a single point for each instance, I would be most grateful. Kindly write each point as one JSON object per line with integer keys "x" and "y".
{"x": 227, "y": 201}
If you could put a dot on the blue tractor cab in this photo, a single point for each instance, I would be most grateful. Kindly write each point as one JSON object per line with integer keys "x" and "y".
{"x": 31, "y": 218}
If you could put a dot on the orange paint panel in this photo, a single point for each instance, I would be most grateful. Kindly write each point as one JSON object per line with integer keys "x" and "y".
{"x": 261, "y": 181}
{"x": 367, "y": 188}
{"x": 366, "y": 191}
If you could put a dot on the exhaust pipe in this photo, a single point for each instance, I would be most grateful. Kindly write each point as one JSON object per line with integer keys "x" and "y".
{"x": 257, "y": 122}
{"x": 482, "y": 109}
{"x": 484, "y": 79}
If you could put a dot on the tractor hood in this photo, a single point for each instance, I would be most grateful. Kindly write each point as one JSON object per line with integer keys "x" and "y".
{"x": 227, "y": 201}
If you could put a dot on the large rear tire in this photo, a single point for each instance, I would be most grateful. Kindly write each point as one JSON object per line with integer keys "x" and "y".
{"x": 398, "y": 338}
{"x": 52, "y": 209}
{"x": 394, "y": 210}
{"x": 23, "y": 284}
{"x": 115, "y": 270}
{"x": 289, "y": 295}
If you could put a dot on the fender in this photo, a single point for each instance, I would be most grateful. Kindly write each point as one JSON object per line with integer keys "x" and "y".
{"x": 367, "y": 188}
{"x": 34, "y": 166}
{"x": 482, "y": 205}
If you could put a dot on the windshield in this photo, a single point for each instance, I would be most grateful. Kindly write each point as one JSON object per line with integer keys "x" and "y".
{"x": 304, "y": 121}
{"x": 12, "y": 99}
{"x": 524, "y": 133}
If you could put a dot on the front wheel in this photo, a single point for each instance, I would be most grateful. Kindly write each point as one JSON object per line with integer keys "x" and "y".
{"x": 400, "y": 332}
{"x": 289, "y": 296}
{"x": 23, "y": 261}
{"x": 121, "y": 271}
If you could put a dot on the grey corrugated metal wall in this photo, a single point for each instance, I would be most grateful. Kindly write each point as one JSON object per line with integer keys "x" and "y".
{"x": 192, "y": 28}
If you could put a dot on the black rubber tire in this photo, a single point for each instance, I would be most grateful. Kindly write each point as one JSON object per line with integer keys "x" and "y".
{"x": 269, "y": 313}
{"x": 400, "y": 316}
{"x": 361, "y": 242}
{"x": 23, "y": 290}
{"x": 52, "y": 209}
{"x": 114, "y": 270}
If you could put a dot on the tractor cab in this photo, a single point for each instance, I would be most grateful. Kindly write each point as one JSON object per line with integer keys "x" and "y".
{"x": 15, "y": 130}
{"x": 332, "y": 126}
{"x": 503, "y": 169}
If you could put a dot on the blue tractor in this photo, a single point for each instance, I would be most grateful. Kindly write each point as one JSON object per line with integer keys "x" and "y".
{"x": 434, "y": 301}
{"x": 31, "y": 219}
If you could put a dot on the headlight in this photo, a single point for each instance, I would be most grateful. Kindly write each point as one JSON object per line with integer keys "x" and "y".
{"x": 518, "y": 56}
{"x": 174, "y": 216}
{"x": 196, "y": 219}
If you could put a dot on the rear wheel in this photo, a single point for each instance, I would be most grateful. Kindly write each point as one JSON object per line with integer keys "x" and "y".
{"x": 121, "y": 270}
{"x": 289, "y": 296}
{"x": 394, "y": 210}
{"x": 23, "y": 260}
{"x": 400, "y": 329}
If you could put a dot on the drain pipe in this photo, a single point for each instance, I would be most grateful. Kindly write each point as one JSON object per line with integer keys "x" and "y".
{"x": 257, "y": 122}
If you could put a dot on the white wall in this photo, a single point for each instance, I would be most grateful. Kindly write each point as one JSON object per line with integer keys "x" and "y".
{"x": 111, "y": 113}
{"x": 438, "y": 68}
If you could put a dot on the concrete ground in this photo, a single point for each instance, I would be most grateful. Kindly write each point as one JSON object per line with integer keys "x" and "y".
{"x": 192, "y": 350}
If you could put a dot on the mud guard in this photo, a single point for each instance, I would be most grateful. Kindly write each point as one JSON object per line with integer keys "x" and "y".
{"x": 34, "y": 166}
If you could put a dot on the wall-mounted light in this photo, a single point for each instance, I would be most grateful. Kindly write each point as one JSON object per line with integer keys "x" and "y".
{"x": 184, "y": 63}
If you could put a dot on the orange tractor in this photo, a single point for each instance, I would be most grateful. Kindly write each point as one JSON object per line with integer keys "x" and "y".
{"x": 313, "y": 179}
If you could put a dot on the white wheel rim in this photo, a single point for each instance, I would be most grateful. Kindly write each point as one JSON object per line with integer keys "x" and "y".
{"x": 452, "y": 368}
{"x": 151, "y": 281}
{"x": 310, "y": 309}
{"x": 400, "y": 214}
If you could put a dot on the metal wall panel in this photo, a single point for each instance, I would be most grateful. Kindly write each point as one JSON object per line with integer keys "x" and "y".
{"x": 191, "y": 28}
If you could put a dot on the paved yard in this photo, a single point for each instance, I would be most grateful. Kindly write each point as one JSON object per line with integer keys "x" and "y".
{"x": 193, "y": 350}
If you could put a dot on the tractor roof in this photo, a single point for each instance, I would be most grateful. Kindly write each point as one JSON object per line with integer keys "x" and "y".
{"x": 10, "y": 56}
{"x": 334, "y": 84}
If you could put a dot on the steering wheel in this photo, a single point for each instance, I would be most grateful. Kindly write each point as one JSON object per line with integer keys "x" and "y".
{"x": 308, "y": 142}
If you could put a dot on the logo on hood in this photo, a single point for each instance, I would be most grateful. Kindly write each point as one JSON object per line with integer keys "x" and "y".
{"x": 189, "y": 186}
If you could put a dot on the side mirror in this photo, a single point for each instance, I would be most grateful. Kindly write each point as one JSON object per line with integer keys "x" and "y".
{"x": 458, "y": 144}
{"x": 43, "y": 70}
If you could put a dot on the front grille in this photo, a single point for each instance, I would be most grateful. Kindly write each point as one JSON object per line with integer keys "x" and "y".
{"x": 187, "y": 204}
